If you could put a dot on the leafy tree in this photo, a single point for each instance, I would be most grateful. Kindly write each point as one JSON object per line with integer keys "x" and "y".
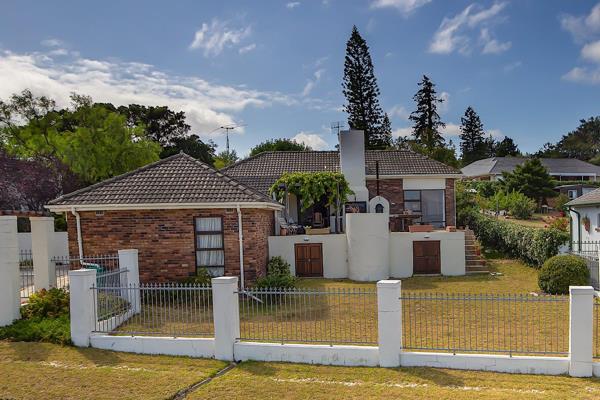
{"x": 192, "y": 146}
{"x": 282, "y": 144}
{"x": 530, "y": 178}
{"x": 446, "y": 155}
{"x": 426, "y": 120}
{"x": 473, "y": 143}
{"x": 225, "y": 159}
{"x": 361, "y": 92}
{"x": 583, "y": 143}
{"x": 506, "y": 147}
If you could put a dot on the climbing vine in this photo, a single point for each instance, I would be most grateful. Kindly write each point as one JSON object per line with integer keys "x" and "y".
{"x": 311, "y": 187}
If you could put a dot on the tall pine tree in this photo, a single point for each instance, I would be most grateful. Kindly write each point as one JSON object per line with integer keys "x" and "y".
{"x": 426, "y": 120}
{"x": 385, "y": 133}
{"x": 361, "y": 92}
{"x": 472, "y": 138}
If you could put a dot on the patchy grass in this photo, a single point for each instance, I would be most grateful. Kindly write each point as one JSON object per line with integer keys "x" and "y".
{"x": 254, "y": 380}
{"x": 43, "y": 370}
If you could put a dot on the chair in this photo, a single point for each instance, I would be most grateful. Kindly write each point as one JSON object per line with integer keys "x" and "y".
{"x": 318, "y": 220}
{"x": 291, "y": 228}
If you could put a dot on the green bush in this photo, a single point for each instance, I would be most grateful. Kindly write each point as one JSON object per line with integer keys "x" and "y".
{"x": 560, "y": 272}
{"x": 519, "y": 205}
{"x": 278, "y": 275}
{"x": 53, "y": 330}
{"x": 532, "y": 245}
{"x": 51, "y": 303}
{"x": 202, "y": 277}
{"x": 560, "y": 202}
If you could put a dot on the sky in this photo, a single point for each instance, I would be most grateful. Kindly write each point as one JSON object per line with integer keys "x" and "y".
{"x": 530, "y": 68}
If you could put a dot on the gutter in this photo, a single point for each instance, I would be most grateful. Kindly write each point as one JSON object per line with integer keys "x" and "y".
{"x": 578, "y": 228}
{"x": 79, "y": 240}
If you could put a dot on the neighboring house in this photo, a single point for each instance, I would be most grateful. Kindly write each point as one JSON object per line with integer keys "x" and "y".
{"x": 562, "y": 169}
{"x": 575, "y": 190}
{"x": 183, "y": 215}
{"x": 585, "y": 218}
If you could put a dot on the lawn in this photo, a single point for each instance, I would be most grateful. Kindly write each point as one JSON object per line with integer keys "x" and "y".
{"x": 254, "y": 380}
{"x": 48, "y": 371}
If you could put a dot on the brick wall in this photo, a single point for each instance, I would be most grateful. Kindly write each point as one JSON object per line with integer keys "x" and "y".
{"x": 391, "y": 190}
{"x": 450, "y": 202}
{"x": 165, "y": 239}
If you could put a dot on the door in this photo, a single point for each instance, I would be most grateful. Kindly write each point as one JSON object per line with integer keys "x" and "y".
{"x": 426, "y": 257}
{"x": 309, "y": 259}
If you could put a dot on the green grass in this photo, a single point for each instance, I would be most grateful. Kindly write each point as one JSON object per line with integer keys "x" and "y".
{"x": 48, "y": 371}
{"x": 255, "y": 380}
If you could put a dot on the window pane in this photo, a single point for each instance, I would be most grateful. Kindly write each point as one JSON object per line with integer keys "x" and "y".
{"x": 412, "y": 205}
{"x": 208, "y": 224}
{"x": 210, "y": 258}
{"x": 209, "y": 241}
{"x": 432, "y": 206}
{"x": 412, "y": 195}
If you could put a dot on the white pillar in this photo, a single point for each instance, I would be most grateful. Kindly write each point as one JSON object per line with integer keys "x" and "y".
{"x": 10, "y": 285}
{"x": 83, "y": 305}
{"x": 226, "y": 315}
{"x": 581, "y": 328}
{"x": 128, "y": 259}
{"x": 42, "y": 236}
{"x": 389, "y": 321}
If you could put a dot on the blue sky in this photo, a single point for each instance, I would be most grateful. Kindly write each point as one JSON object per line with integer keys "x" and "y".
{"x": 530, "y": 68}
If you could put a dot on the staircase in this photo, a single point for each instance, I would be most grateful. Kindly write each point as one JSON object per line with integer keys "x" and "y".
{"x": 475, "y": 263}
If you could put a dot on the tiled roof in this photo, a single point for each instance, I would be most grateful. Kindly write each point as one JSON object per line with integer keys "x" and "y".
{"x": 555, "y": 166}
{"x": 589, "y": 198}
{"x": 262, "y": 170}
{"x": 179, "y": 179}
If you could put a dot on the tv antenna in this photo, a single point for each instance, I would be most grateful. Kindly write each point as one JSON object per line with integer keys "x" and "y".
{"x": 337, "y": 126}
{"x": 228, "y": 128}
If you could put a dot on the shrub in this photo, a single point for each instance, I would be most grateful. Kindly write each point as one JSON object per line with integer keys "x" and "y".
{"x": 532, "y": 245}
{"x": 202, "y": 277}
{"x": 53, "y": 330}
{"x": 278, "y": 275}
{"x": 560, "y": 202}
{"x": 561, "y": 224}
{"x": 51, "y": 303}
{"x": 560, "y": 272}
{"x": 519, "y": 205}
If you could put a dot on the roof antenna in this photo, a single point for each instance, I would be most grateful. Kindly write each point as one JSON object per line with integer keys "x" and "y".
{"x": 337, "y": 126}
{"x": 228, "y": 128}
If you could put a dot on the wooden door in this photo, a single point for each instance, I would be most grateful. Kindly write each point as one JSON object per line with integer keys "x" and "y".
{"x": 309, "y": 259}
{"x": 426, "y": 257}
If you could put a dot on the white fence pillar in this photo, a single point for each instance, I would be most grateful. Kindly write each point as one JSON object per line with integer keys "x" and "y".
{"x": 83, "y": 305}
{"x": 42, "y": 237}
{"x": 226, "y": 315}
{"x": 10, "y": 285}
{"x": 581, "y": 328}
{"x": 128, "y": 259}
{"x": 389, "y": 322}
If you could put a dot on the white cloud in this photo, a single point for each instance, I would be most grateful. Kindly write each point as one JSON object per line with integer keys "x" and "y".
{"x": 583, "y": 75}
{"x": 52, "y": 42}
{"x": 292, "y": 4}
{"x": 584, "y": 26}
{"x": 311, "y": 83}
{"x": 404, "y": 6}
{"x": 591, "y": 51}
{"x": 451, "y": 130}
{"x": 404, "y": 132}
{"x": 213, "y": 38}
{"x": 246, "y": 49}
{"x": 512, "y": 66}
{"x": 399, "y": 111}
{"x": 491, "y": 45}
{"x": 315, "y": 141}
{"x": 445, "y": 104}
{"x": 496, "y": 133}
{"x": 453, "y": 33}
{"x": 207, "y": 105}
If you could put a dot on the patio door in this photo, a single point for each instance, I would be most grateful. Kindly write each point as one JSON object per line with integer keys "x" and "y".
{"x": 426, "y": 257}
{"x": 309, "y": 259}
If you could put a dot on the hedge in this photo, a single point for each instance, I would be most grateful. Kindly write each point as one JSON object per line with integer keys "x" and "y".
{"x": 531, "y": 245}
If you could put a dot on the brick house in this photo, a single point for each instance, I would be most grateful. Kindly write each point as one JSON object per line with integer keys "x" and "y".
{"x": 179, "y": 213}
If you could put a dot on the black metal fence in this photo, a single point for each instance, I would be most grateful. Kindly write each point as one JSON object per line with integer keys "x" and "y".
{"x": 26, "y": 274}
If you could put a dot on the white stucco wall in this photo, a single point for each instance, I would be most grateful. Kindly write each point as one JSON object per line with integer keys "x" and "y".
{"x": 423, "y": 183}
{"x": 60, "y": 246}
{"x": 335, "y": 265}
{"x": 368, "y": 246}
{"x": 592, "y": 213}
{"x": 452, "y": 252}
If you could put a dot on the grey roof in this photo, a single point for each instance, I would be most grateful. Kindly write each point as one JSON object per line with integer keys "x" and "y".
{"x": 262, "y": 170}
{"x": 590, "y": 198}
{"x": 555, "y": 166}
{"x": 179, "y": 179}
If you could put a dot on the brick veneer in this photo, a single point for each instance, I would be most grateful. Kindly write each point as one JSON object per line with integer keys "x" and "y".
{"x": 165, "y": 239}
{"x": 450, "y": 202}
{"x": 391, "y": 190}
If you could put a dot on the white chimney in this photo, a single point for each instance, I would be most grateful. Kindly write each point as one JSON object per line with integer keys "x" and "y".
{"x": 352, "y": 162}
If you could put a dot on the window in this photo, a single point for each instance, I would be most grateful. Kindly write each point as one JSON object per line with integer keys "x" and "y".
{"x": 210, "y": 250}
{"x": 428, "y": 203}
{"x": 572, "y": 194}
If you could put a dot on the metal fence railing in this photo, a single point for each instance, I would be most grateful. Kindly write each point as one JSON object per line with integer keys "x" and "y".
{"x": 178, "y": 310}
{"x": 102, "y": 263}
{"x": 483, "y": 323}
{"x": 332, "y": 316}
{"x": 26, "y": 273}
{"x": 589, "y": 248}
{"x": 589, "y": 252}
{"x": 596, "y": 333}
